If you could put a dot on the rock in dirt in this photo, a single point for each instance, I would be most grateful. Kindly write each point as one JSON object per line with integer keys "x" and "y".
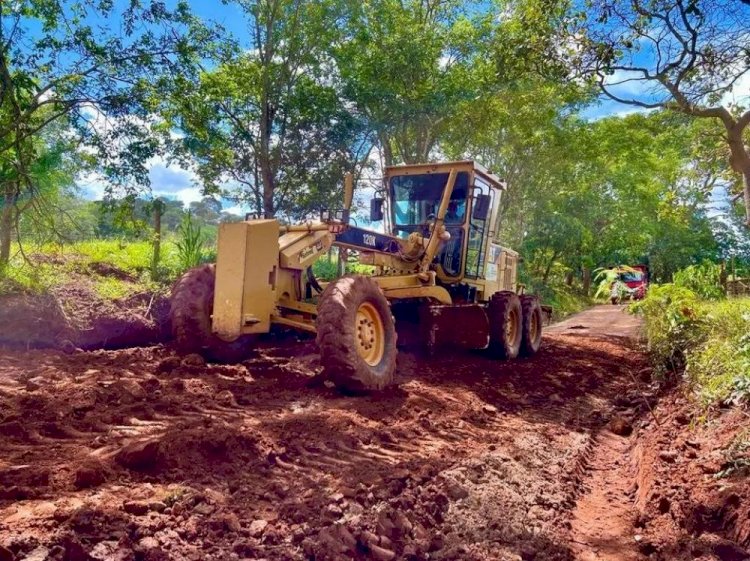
{"x": 620, "y": 426}
{"x": 257, "y": 527}
{"x": 157, "y": 506}
{"x": 137, "y": 508}
{"x": 139, "y": 456}
{"x": 668, "y": 456}
{"x": 6, "y": 554}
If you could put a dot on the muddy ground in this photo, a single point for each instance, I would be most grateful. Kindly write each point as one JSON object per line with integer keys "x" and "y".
{"x": 137, "y": 454}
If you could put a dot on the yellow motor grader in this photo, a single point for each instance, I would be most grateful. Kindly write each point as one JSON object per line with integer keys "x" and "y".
{"x": 439, "y": 279}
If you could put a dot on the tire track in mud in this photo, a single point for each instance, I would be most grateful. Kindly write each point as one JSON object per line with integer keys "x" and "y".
{"x": 467, "y": 458}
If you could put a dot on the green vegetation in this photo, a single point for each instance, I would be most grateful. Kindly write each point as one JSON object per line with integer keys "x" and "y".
{"x": 700, "y": 333}
{"x": 116, "y": 268}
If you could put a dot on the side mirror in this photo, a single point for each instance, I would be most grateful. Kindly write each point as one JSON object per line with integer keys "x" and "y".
{"x": 482, "y": 207}
{"x": 376, "y": 209}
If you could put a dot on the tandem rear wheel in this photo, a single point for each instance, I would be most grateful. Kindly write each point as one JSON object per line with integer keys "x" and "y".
{"x": 515, "y": 325}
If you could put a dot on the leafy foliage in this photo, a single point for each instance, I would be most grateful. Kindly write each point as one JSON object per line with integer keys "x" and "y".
{"x": 706, "y": 338}
{"x": 703, "y": 279}
{"x": 673, "y": 320}
{"x": 190, "y": 243}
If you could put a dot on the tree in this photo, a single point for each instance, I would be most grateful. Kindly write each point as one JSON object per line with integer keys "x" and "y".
{"x": 267, "y": 125}
{"x": 59, "y": 68}
{"x": 411, "y": 67}
{"x": 686, "y": 56}
{"x": 207, "y": 210}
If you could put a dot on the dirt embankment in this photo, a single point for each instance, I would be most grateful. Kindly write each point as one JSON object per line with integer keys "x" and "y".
{"x": 72, "y": 315}
{"x": 140, "y": 455}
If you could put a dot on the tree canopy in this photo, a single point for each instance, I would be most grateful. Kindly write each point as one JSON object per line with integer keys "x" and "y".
{"x": 270, "y": 117}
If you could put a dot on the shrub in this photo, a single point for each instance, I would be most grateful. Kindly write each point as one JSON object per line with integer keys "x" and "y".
{"x": 673, "y": 316}
{"x": 325, "y": 269}
{"x": 190, "y": 243}
{"x": 719, "y": 368}
{"x": 703, "y": 279}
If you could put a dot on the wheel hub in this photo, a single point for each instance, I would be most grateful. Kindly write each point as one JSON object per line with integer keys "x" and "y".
{"x": 534, "y": 327}
{"x": 511, "y": 328}
{"x": 370, "y": 334}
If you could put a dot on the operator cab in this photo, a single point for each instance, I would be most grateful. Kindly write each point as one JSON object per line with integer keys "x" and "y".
{"x": 415, "y": 193}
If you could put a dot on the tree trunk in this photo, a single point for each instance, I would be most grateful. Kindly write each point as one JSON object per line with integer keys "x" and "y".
{"x": 740, "y": 160}
{"x": 7, "y": 219}
{"x": 158, "y": 211}
{"x": 548, "y": 270}
{"x": 586, "y": 281}
{"x": 746, "y": 175}
{"x": 266, "y": 172}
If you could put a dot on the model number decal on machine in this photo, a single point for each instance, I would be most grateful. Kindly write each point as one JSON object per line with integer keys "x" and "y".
{"x": 309, "y": 250}
{"x": 369, "y": 240}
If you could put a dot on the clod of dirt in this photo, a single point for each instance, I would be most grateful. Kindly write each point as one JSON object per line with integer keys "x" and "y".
{"x": 24, "y": 475}
{"x": 257, "y": 527}
{"x": 168, "y": 365}
{"x": 194, "y": 360}
{"x": 668, "y": 455}
{"x": 73, "y": 551}
{"x": 139, "y": 456}
{"x": 456, "y": 491}
{"x": 89, "y": 475}
{"x": 620, "y": 426}
{"x": 137, "y": 508}
{"x": 381, "y": 554}
{"x": 157, "y": 506}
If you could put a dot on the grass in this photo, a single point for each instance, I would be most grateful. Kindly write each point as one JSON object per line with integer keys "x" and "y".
{"x": 719, "y": 367}
{"x": 51, "y": 265}
{"x": 707, "y": 340}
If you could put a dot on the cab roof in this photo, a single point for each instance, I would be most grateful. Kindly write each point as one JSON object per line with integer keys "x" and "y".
{"x": 444, "y": 167}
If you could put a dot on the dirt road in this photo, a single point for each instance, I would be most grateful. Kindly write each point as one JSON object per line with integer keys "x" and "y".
{"x": 136, "y": 454}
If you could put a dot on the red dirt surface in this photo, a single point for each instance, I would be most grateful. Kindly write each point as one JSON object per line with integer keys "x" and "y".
{"x": 73, "y": 316}
{"x": 140, "y": 455}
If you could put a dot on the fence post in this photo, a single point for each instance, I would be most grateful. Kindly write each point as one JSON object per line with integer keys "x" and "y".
{"x": 158, "y": 212}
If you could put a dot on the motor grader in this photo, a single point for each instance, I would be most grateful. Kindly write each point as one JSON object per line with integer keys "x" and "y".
{"x": 439, "y": 279}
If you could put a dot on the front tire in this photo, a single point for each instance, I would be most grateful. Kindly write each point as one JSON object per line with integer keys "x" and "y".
{"x": 190, "y": 312}
{"x": 356, "y": 334}
{"x": 505, "y": 315}
{"x": 532, "y": 325}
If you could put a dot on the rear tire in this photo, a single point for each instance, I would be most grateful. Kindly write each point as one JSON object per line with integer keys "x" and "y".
{"x": 506, "y": 322}
{"x": 532, "y": 325}
{"x": 356, "y": 334}
{"x": 190, "y": 312}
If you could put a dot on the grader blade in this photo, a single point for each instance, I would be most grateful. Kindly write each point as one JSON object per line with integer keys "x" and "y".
{"x": 465, "y": 326}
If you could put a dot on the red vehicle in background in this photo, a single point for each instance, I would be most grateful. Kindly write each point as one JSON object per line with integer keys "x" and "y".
{"x": 632, "y": 282}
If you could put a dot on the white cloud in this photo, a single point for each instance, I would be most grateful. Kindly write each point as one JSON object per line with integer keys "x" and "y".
{"x": 740, "y": 94}
{"x": 629, "y": 85}
{"x": 187, "y": 196}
